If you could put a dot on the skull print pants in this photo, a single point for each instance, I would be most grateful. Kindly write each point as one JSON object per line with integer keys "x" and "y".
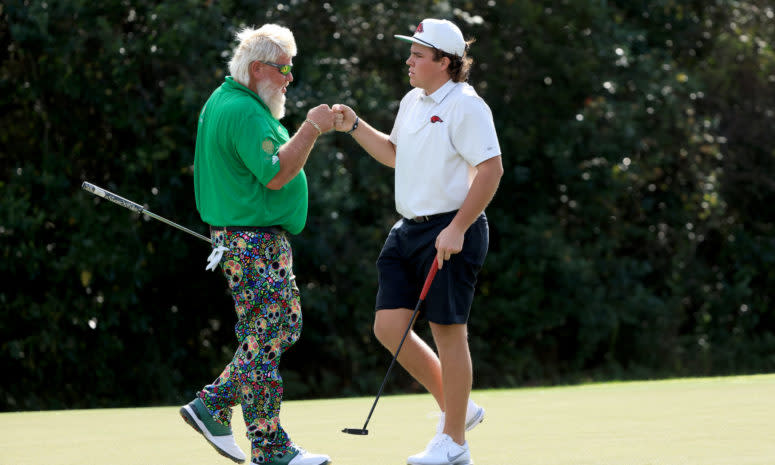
{"x": 258, "y": 268}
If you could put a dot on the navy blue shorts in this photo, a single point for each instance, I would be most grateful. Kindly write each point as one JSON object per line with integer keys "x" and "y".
{"x": 406, "y": 257}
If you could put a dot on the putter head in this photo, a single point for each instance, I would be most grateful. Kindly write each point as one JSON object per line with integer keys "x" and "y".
{"x": 358, "y": 431}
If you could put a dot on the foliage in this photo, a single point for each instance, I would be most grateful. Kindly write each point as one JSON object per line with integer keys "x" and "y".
{"x": 631, "y": 235}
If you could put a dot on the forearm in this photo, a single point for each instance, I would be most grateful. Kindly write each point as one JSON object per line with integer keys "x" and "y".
{"x": 293, "y": 155}
{"x": 482, "y": 191}
{"x": 376, "y": 143}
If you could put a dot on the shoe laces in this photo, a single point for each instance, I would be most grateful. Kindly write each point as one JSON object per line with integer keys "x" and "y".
{"x": 435, "y": 440}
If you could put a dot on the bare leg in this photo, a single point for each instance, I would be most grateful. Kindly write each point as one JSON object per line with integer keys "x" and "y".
{"x": 416, "y": 356}
{"x": 457, "y": 376}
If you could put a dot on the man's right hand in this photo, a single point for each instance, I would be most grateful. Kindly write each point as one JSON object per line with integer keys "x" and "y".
{"x": 323, "y": 117}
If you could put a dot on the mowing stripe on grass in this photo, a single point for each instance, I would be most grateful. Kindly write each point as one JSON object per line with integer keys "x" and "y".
{"x": 705, "y": 421}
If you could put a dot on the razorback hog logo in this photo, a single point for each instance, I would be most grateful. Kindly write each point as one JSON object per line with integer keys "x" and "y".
{"x": 436, "y": 119}
{"x": 419, "y": 29}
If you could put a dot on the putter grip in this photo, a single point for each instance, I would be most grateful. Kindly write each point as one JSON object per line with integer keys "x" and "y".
{"x": 429, "y": 279}
{"x": 117, "y": 199}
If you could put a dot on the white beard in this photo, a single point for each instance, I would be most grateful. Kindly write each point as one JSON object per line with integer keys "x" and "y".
{"x": 273, "y": 98}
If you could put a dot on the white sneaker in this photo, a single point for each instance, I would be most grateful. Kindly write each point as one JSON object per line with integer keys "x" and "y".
{"x": 474, "y": 416}
{"x": 442, "y": 450}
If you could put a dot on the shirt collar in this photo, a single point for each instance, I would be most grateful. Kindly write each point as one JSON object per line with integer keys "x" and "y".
{"x": 232, "y": 83}
{"x": 442, "y": 92}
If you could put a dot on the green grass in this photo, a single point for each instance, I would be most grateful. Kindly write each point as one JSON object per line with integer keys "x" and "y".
{"x": 711, "y": 421}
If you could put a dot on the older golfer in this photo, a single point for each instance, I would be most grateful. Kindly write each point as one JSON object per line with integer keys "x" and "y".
{"x": 251, "y": 189}
{"x": 447, "y": 163}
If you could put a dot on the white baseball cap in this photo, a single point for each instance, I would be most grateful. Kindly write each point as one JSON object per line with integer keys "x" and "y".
{"x": 440, "y": 34}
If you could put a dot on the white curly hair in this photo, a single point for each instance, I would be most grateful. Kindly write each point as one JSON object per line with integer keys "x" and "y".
{"x": 266, "y": 43}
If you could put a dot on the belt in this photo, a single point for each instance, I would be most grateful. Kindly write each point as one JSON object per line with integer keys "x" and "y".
{"x": 424, "y": 218}
{"x": 260, "y": 229}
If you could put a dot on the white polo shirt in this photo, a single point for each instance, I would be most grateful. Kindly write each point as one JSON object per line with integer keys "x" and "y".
{"x": 439, "y": 139}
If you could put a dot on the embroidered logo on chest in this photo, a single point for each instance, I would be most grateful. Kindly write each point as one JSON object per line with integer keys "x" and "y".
{"x": 436, "y": 119}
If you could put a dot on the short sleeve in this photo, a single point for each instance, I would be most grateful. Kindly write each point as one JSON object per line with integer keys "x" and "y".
{"x": 400, "y": 117}
{"x": 473, "y": 134}
{"x": 257, "y": 146}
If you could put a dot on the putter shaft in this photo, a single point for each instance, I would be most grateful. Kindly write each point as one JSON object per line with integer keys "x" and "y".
{"x": 136, "y": 207}
{"x": 426, "y": 286}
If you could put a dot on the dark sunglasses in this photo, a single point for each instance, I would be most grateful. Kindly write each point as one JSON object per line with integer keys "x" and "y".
{"x": 283, "y": 69}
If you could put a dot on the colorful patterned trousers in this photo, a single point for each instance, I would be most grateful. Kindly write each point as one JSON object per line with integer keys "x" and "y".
{"x": 258, "y": 267}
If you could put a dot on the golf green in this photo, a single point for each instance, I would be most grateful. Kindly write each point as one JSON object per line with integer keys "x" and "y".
{"x": 705, "y": 421}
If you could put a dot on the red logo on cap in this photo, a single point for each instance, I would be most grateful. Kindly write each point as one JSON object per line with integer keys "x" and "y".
{"x": 419, "y": 29}
{"x": 436, "y": 119}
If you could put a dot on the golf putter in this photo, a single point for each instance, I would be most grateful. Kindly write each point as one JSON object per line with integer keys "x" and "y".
{"x": 431, "y": 273}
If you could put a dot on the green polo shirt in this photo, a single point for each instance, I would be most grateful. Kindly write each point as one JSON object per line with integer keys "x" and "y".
{"x": 236, "y": 155}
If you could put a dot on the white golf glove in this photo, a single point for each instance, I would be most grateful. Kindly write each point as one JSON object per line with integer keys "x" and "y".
{"x": 215, "y": 257}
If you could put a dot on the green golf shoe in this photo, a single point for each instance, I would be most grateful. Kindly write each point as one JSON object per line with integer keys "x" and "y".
{"x": 219, "y": 436}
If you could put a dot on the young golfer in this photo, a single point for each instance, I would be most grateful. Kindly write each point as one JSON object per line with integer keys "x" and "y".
{"x": 447, "y": 163}
{"x": 251, "y": 189}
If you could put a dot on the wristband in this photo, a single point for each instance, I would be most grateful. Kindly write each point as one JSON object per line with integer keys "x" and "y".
{"x": 355, "y": 125}
{"x": 314, "y": 124}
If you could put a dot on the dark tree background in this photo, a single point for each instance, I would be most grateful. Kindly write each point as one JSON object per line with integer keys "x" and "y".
{"x": 632, "y": 235}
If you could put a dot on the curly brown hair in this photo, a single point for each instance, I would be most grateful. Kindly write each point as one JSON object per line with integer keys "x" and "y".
{"x": 459, "y": 67}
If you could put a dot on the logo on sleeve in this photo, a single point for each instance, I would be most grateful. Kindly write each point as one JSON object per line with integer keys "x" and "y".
{"x": 436, "y": 119}
{"x": 268, "y": 146}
